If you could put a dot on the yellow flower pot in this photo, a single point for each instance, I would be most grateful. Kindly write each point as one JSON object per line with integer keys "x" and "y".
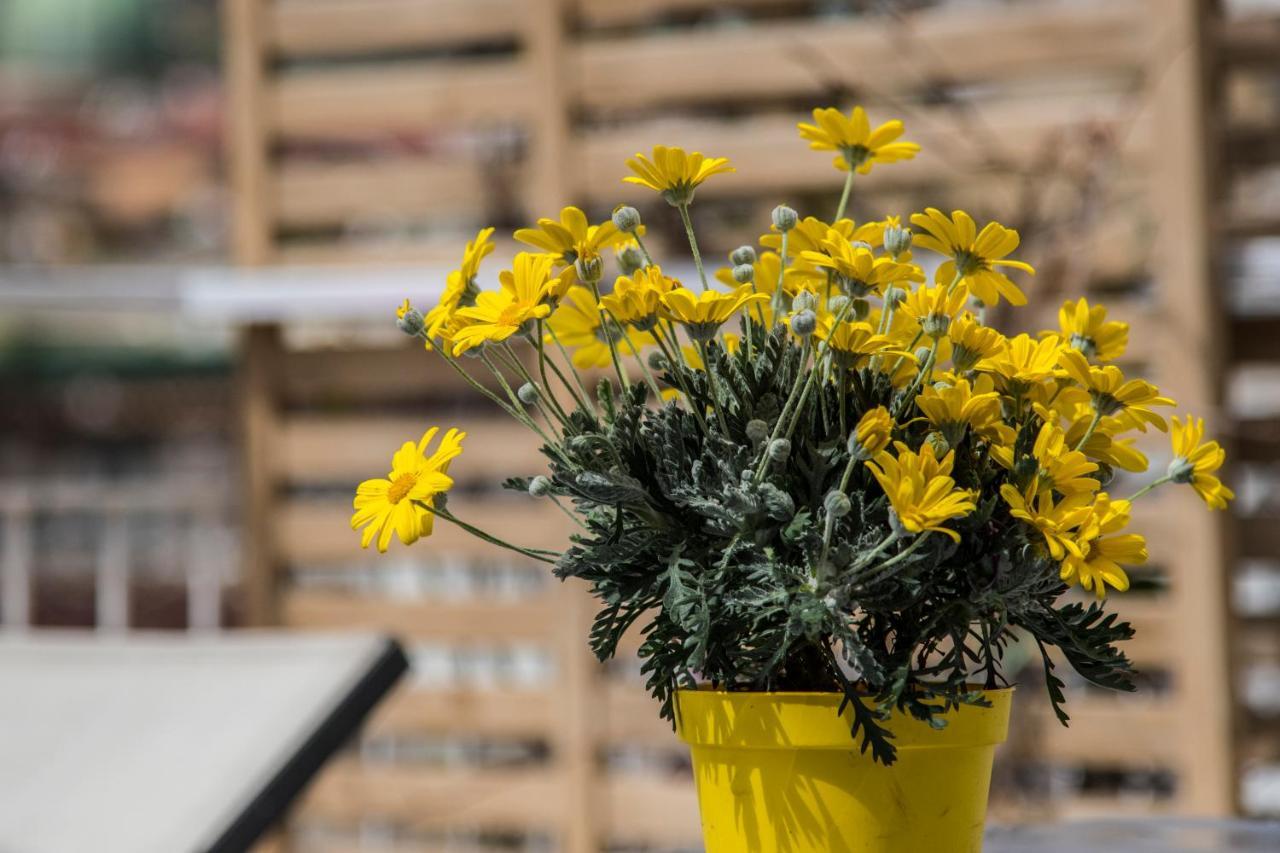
{"x": 780, "y": 772}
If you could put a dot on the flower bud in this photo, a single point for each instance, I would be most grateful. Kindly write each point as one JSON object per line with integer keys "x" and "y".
{"x": 410, "y": 321}
{"x": 872, "y": 434}
{"x": 742, "y": 255}
{"x": 744, "y": 273}
{"x": 837, "y": 504}
{"x": 894, "y": 296}
{"x": 441, "y": 501}
{"x": 838, "y": 304}
{"x": 626, "y": 218}
{"x": 657, "y": 361}
{"x": 938, "y": 442}
{"x": 897, "y": 240}
{"x": 784, "y": 218}
{"x": 922, "y": 353}
{"x": 861, "y": 244}
{"x": 630, "y": 260}
{"x": 936, "y": 325}
{"x": 804, "y": 323}
{"x": 779, "y": 450}
{"x": 804, "y": 301}
{"x": 528, "y": 393}
{"x": 589, "y": 268}
{"x": 757, "y": 431}
{"x": 539, "y": 486}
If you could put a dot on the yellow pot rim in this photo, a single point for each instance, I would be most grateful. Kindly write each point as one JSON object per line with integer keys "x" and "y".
{"x": 808, "y": 720}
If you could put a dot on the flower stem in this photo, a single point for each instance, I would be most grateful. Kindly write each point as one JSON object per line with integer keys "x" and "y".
{"x": 909, "y": 397}
{"x": 1149, "y": 486}
{"x": 844, "y": 196}
{"x": 693, "y": 243}
{"x": 542, "y": 370}
{"x": 586, "y": 398}
{"x": 532, "y": 553}
{"x": 786, "y": 410}
{"x": 1093, "y": 424}
{"x": 715, "y": 387}
{"x": 648, "y": 259}
{"x": 605, "y": 319}
{"x": 877, "y": 574}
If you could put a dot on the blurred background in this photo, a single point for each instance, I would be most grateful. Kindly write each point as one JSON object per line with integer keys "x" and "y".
{"x": 208, "y": 213}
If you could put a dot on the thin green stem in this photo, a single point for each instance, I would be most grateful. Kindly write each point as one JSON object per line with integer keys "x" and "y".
{"x": 585, "y": 402}
{"x": 532, "y": 553}
{"x": 605, "y": 319}
{"x": 1149, "y": 486}
{"x": 909, "y": 397}
{"x": 786, "y": 410}
{"x": 540, "y": 343}
{"x": 566, "y": 511}
{"x": 693, "y": 243}
{"x": 844, "y": 195}
{"x": 1093, "y": 424}
{"x": 644, "y": 369}
{"x": 648, "y": 259}
{"x": 715, "y": 387}
{"x": 778, "y": 292}
{"x": 543, "y": 392}
{"x": 676, "y": 369}
{"x": 878, "y": 573}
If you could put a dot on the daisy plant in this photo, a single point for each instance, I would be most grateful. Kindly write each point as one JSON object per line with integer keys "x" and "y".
{"x": 817, "y": 469}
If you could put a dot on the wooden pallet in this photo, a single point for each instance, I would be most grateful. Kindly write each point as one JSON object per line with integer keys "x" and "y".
{"x": 430, "y": 118}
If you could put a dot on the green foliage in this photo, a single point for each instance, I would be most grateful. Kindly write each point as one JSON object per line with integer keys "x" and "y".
{"x": 724, "y": 572}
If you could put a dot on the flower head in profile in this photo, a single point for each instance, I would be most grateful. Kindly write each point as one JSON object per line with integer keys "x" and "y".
{"x": 401, "y": 503}
{"x": 859, "y": 146}
{"x": 703, "y": 314}
{"x": 1023, "y": 362}
{"x": 975, "y": 256}
{"x": 934, "y": 307}
{"x": 579, "y": 325}
{"x": 956, "y": 408}
{"x": 1056, "y": 521}
{"x": 1101, "y": 550}
{"x": 971, "y": 342}
{"x": 637, "y": 298}
{"x": 673, "y": 173}
{"x": 571, "y": 238}
{"x": 524, "y": 296}
{"x": 1130, "y": 400}
{"x": 1062, "y": 469}
{"x": 1086, "y": 328}
{"x": 853, "y": 343}
{"x": 460, "y": 289}
{"x": 871, "y": 435}
{"x": 475, "y": 252}
{"x": 920, "y": 488}
{"x": 1104, "y": 444}
{"x": 809, "y": 234}
{"x": 855, "y": 269}
{"x": 1195, "y": 461}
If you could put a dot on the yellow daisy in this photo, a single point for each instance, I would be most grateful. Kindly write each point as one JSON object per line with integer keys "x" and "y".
{"x": 1102, "y": 549}
{"x": 975, "y": 255}
{"x": 525, "y": 291}
{"x": 1022, "y": 362}
{"x": 933, "y": 307}
{"x": 572, "y": 237}
{"x": 702, "y": 314}
{"x": 401, "y": 502}
{"x": 637, "y": 298}
{"x": 860, "y": 147}
{"x": 1085, "y": 327}
{"x": 920, "y": 489}
{"x": 1129, "y": 400}
{"x": 578, "y": 325}
{"x": 1057, "y": 522}
{"x": 673, "y": 173}
{"x": 853, "y": 343}
{"x": 871, "y": 435}
{"x": 857, "y": 271}
{"x": 971, "y": 342}
{"x": 810, "y": 232}
{"x": 1195, "y": 460}
{"x": 957, "y": 407}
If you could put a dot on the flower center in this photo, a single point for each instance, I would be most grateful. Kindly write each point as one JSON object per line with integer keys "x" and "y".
{"x": 401, "y": 487}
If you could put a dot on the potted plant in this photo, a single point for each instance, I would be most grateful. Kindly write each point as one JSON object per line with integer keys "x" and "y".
{"x": 826, "y": 494}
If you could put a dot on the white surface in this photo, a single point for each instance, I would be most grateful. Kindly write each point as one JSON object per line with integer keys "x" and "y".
{"x": 154, "y": 743}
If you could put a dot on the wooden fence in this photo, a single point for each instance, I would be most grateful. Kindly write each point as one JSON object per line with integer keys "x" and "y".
{"x": 384, "y": 130}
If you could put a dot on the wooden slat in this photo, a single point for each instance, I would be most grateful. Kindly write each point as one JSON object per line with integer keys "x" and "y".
{"x": 368, "y": 101}
{"x": 1125, "y": 731}
{"x": 1255, "y": 338}
{"x": 349, "y": 448}
{"x": 312, "y": 532}
{"x": 475, "y": 621}
{"x": 1244, "y": 226}
{"x": 400, "y": 374}
{"x": 652, "y": 810}
{"x": 427, "y": 798}
{"x": 304, "y": 28}
{"x": 789, "y": 59}
{"x": 1259, "y": 536}
{"x": 612, "y": 13}
{"x": 770, "y": 157}
{"x": 498, "y": 712}
{"x": 1250, "y": 41}
{"x": 311, "y": 194}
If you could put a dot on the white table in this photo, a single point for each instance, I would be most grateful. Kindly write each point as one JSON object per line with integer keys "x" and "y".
{"x": 172, "y": 742}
